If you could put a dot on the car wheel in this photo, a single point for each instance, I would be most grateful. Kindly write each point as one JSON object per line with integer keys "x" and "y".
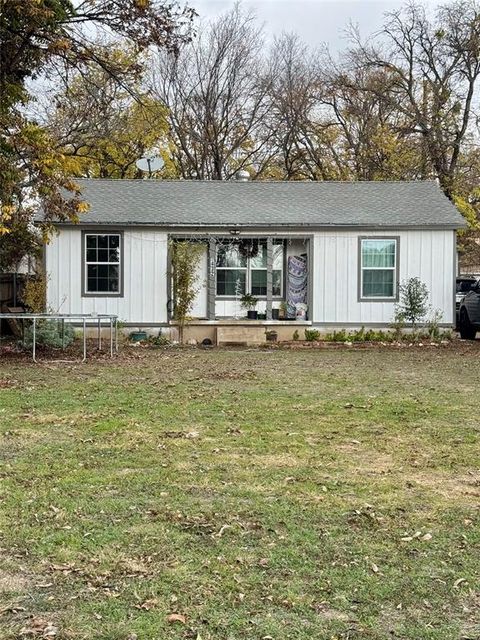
{"x": 467, "y": 330}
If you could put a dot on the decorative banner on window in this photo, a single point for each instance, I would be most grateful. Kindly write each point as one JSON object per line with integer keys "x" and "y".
{"x": 296, "y": 283}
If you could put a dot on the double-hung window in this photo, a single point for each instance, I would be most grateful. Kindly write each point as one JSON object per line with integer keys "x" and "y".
{"x": 258, "y": 271}
{"x": 277, "y": 268}
{"x": 102, "y": 264}
{"x": 231, "y": 270}
{"x": 378, "y": 268}
{"x": 239, "y": 273}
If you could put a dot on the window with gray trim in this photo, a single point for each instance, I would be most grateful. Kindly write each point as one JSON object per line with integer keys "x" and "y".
{"x": 378, "y": 268}
{"x": 102, "y": 252}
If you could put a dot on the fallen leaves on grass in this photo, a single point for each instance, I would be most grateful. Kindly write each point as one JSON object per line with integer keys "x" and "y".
{"x": 11, "y": 609}
{"x": 189, "y": 435}
{"x": 147, "y": 605}
{"x": 222, "y": 530}
{"x": 417, "y": 536}
{"x": 39, "y": 628}
{"x": 66, "y": 569}
{"x": 350, "y": 405}
{"x": 234, "y": 431}
{"x": 172, "y": 618}
{"x": 7, "y": 383}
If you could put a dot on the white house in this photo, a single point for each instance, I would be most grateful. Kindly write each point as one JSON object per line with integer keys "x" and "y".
{"x": 334, "y": 252}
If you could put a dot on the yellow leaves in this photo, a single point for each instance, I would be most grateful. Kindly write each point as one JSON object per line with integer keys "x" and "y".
{"x": 83, "y": 207}
{"x": 135, "y": 127}
{"x": 393, "y": 156}
{"x": 61, "y": 44}
{"x": 72, "y": 165}
{"x": 467, "y": 211}
{"x": 6, "y": 213}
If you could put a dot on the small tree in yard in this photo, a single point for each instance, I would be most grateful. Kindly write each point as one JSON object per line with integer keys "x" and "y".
{"x": 412, "y": 306}
{"x": 185, "y": 258}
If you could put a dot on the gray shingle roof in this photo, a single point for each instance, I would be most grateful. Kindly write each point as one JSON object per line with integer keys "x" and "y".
{"x": 208, "y": 203}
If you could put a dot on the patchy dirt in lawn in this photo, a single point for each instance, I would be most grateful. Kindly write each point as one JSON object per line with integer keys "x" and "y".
{"x": 13, "y": 583}
{"x": 291, "y": 493}
{"x": 465, "y": 487}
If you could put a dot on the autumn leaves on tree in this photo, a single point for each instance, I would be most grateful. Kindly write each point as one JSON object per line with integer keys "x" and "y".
{"x": 399, "y": 106}
{"x": 47, "y": 41}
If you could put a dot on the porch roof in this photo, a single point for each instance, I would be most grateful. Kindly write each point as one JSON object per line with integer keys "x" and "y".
{"x": 198, "y": 203}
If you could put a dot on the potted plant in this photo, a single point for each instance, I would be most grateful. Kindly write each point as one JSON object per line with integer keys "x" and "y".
{"x": 249, "y": 303}
{"x": 282, "y": 312}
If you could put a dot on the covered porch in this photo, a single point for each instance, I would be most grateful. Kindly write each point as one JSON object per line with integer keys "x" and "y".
{"x": 250, "y": 279}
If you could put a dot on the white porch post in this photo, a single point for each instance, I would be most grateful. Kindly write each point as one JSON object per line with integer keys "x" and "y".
{"x": 269, "y": 277}
{"x": 211, "y": 293}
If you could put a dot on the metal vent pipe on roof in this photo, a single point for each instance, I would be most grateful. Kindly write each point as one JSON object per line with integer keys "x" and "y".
{"x": 242, "y": 176}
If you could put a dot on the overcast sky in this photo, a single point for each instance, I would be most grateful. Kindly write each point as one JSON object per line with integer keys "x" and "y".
{"x": 316, "y": 21}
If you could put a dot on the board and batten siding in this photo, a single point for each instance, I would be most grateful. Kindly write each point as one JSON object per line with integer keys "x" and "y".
{"x": 426, "y": 254}
{"x": 144, "y": 297}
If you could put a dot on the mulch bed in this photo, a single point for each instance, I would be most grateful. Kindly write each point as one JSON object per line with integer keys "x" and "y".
{"x": 11, "y": 352}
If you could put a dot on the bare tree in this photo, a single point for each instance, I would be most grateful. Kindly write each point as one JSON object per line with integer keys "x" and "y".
{"x": 431, "y": 69}
{"x": 216, "y": 92}
{"x": 371, "y": 140}
{"x": 104, "y": 126}
{"x": 301, "y": 137}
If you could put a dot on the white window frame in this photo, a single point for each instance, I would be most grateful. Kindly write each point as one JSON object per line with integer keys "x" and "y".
{"x": 86, "y": 263}
{"x": 217, "y": 269}
{"x": 248, "y": 278}
{"x": 394, "y": 269}
{"x": 282, "y": 270}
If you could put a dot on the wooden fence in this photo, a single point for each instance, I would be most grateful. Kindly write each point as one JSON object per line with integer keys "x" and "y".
{"x": 11, "y": 285}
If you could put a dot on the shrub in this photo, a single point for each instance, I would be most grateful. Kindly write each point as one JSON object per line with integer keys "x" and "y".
{"x": 35, "y": 293}
{"x": 433, "y": 324}
{"x": 48, "y": 333}
{"x": 398, "y": 325}
{"x": 159, "y": 341}
{"x": 296, "y": 335}
{"x": 361, "y": 335}
{"x": 248, "y": 302}
{"x": 311, "y": 335}
{"x": 412, "y": 306}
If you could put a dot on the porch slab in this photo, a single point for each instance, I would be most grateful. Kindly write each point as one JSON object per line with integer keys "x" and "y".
{"x": 248, "y": 323}
{"x": 250, "y": 332}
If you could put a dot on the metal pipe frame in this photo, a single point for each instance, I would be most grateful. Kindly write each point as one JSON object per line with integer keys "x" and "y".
{"x": 83, "y": 317}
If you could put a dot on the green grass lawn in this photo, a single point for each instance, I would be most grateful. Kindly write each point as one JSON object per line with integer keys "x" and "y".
{"x": 325, "y": 493}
